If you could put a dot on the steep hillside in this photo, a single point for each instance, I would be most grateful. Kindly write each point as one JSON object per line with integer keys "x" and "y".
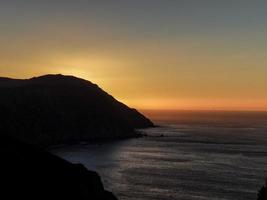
{"x": 30, "y": 173}
{"x": 54, "y": 109}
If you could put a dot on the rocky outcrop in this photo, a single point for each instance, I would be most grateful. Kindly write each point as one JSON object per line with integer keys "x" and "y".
{"x": 54, "y": 109}
{"x": 30, "y": 173}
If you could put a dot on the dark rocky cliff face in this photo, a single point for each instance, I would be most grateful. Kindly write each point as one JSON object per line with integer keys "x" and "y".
{"x": 56, "y": 109}
{"x": 29, "y": 173}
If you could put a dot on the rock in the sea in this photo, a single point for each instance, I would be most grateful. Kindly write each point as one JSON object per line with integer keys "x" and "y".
{"x": 27, "y": 172}
{"x": 55, "y": 109}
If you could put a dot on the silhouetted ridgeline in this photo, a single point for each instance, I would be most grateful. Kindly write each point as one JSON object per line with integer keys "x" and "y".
{"x": 54, "y": 109}
{"x": 29, "y": 173}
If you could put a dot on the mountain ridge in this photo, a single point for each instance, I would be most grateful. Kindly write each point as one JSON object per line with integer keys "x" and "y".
{"x": 56, "y": 109}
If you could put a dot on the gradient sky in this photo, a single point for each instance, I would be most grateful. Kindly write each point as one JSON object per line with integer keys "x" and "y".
{"x": 150, "y": 54}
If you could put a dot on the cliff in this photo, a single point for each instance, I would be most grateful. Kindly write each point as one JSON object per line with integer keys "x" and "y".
{"x": 55, "y": 109}
{"x": 29, "y": 173}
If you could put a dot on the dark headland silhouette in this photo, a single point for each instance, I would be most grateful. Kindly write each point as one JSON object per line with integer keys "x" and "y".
{"x": 56, "y": 109}
{"x": 26, "y": 172}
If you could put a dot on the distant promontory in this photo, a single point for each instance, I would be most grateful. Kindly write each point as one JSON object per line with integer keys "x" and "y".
{"x": 55, "y": 109}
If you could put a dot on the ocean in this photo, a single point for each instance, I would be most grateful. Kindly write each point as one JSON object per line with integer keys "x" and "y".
{"x": 192, "y": 155}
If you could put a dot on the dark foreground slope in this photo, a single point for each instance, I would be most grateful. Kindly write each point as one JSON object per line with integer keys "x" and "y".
{"x": 262, "y": 194}
{"x": 54, "y": 109}
{"x": 29, "y": 173}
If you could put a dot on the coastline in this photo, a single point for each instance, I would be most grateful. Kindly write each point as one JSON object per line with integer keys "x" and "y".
{"x": 100, "y": 141}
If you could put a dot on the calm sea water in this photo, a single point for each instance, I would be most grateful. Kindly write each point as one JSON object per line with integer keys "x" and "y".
{"x": 203, "y": 155}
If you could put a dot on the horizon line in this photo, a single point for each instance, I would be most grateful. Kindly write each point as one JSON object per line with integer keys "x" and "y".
{"x": 202, "y": 110}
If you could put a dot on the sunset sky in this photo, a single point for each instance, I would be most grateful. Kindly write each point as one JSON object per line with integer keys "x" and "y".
{"x": 150, "y": 54}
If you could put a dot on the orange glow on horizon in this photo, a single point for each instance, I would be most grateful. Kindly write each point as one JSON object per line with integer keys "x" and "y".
{"x": 145, "y": 102}
{"x": 208, "y": 104}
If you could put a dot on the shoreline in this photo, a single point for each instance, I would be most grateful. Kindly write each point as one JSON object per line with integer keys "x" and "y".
{"x": 99, "y": 141}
